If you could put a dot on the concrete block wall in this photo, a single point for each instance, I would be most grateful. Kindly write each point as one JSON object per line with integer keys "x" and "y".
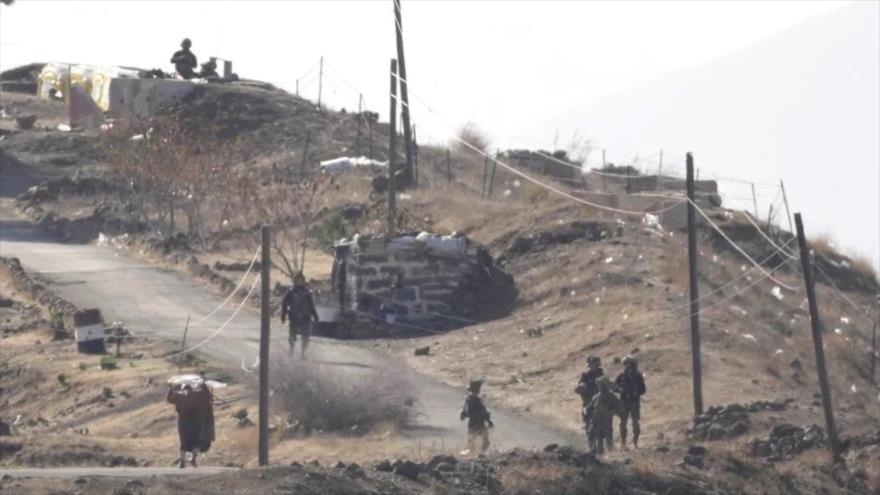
{"x": 417, "y": 282}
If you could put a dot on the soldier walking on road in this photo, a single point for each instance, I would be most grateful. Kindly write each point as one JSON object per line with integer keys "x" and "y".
{"x": 298, "y": 308}
{"x": 632, "y": 388}
{"x": 479, "y": 419}
{"x": 587, "y": 389}
{"x": 605, "y": 406}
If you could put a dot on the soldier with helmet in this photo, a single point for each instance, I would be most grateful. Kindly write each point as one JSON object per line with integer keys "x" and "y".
{"x": 587, "y": 389}
{"x": 604, "y": 406}
{"x": 298, "y": 307}
{"x": 185, "y": 61}
{"x": 632, "y": 388}
{"x": 479, "y": 418}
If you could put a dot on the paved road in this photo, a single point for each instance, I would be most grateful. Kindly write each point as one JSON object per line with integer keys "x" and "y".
{"x": 155, "y": 302}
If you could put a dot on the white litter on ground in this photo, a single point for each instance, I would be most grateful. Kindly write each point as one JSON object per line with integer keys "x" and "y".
{"x": 609, "y": 259}
{"x": 838, "y": 331}
{"x": 714, "y": 258}
{"x": 742, "y": 268}
{"x": 597, "y": 300}
{"x": 777, "y": 293}
{"x": 64, "y": 128}
{"x": 853, "y": 388}
{"x": 844, "y": 320}
{"x": 778, "y": 352}
{"x": 751, "y": 337}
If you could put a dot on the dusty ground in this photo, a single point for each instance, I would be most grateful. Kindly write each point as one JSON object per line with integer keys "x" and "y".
{"x": 623, "y": 295}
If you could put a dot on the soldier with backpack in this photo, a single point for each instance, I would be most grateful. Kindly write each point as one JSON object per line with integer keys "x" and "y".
{"x": 587, "y": 389}
{"x": 479, "y": 418}
{"x": 298, "y": 308}
{"x": 605, "y": 405}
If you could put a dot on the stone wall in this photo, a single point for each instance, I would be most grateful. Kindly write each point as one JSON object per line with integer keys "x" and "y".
{"x": 415, "y": 280}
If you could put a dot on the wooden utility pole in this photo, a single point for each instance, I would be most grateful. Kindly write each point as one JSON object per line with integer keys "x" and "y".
{"x": 755, "y": 201}
{"x": 785, "y": 200}
{"x": 492, "y": 176}
{"x": 485, "y": 175}
{"x": 392, "y": 151}
{"x": 302, "y": 166}
{"x": 370, "y": 130}
{"x": 818, "y": 346}
{"x": 404, "y": 93}
{"x": 265, "y": 294}
{"x": 659, "y": 170}
{"x": 360, "y": 103}
{"x": 297, "y": 87}
{"x": 415, "y": 148}
{"x": 448, "y": 167}
{"x": 320, "y": 79}
{"x": 874, "y": 355}
{"x": 695, "y": 290}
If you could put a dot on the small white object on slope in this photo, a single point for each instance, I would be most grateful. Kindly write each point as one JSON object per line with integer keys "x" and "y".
{"x": 751, "y": 337}
{"x": 777, "y": 293}
{"x": 844, "y": 320}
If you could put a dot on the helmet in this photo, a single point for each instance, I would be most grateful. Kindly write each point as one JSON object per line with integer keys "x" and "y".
{"x": 186, "y": 43}
{"x": 475, "y": 385}
{"x": 593, "y": 359}
{"x": 299, "y": 278}
{"x": 630, "y": 360}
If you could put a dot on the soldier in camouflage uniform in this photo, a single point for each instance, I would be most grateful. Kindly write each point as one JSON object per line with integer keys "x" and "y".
{"x": 632, "y": 388}
{"x": 605, "y": 406}
{"x": 479, "y": 419}
{"x": 298, "y": 308}
{"x": 587, "y": 389}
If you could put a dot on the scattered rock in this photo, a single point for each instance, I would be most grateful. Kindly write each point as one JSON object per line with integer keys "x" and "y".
{"x": 551, "y": 447}
{"x": 240, "y": 414}
{"x": 407, "y": 469}
{"x": 423, "y": 351}
{"x": 384, "y": 466}
{"x": 437, "y": 460}
{"x": 786, "y": 441}
{"x": 25, "y": 121}
{"x": 5, "y": 430}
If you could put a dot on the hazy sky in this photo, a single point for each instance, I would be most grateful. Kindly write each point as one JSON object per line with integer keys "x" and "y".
{"x": 523, "y": 71}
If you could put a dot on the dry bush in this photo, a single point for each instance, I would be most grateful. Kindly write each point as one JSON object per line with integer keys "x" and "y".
{"x": 824, "y": 244}
{"x": 474, "y": 136}
{"x": 330, "y": 398}
{"x": 535, "y": 193}
{"x": 862, "y": 264}
{"x": 678, "y": 270}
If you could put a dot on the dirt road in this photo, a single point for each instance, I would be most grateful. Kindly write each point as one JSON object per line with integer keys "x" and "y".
{"x": 155, "y": 302}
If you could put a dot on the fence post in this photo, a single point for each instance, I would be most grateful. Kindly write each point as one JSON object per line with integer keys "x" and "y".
{"x": 755, "y": 201}
{"x": 485, "y": 174}
{"x": 818, "y": 346}
{"x": 404, "y": 92}
{"x": 785, "y": 200}
{"x": 695, "y": 290}
{"x": 320, "y": 80}
{"x": 492, "y": 178}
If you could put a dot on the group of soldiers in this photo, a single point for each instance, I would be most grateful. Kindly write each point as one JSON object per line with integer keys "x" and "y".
{"x": 603, "y": 399}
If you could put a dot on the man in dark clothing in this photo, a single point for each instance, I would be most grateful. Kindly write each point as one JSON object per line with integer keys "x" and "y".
{"x": 587, "y": 389}
{"x": 185, "y": 61}
{"x": 299, "y": 308}
{"x": 479, "y": 419}
{"x": 209, "y": 70}
{"x": 632, "y": 388}
{"x": 195, "y": 419}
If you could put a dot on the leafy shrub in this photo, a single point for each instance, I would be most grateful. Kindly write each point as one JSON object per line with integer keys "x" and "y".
{"x": 108, "y": 363}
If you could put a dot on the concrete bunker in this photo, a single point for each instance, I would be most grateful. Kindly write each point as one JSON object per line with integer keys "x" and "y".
{"x": 414, "y": 281}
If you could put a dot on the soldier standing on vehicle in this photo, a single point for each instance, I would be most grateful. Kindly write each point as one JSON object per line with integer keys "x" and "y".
{"x": 479, "y": 419}
{"x": 587, "y": 389}
{"x": 298, "y": 308}
{"x": 605, "y": 406}
{"x": 632, "y": 388}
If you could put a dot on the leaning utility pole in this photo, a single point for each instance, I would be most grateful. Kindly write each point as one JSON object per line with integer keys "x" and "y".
{"x": 695, "y": 290}
{"x": 265, "y": 293}
{"x": 818, "y": 346}
{"x": 392, "y": 151}
{"x": 404, "y": 94}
